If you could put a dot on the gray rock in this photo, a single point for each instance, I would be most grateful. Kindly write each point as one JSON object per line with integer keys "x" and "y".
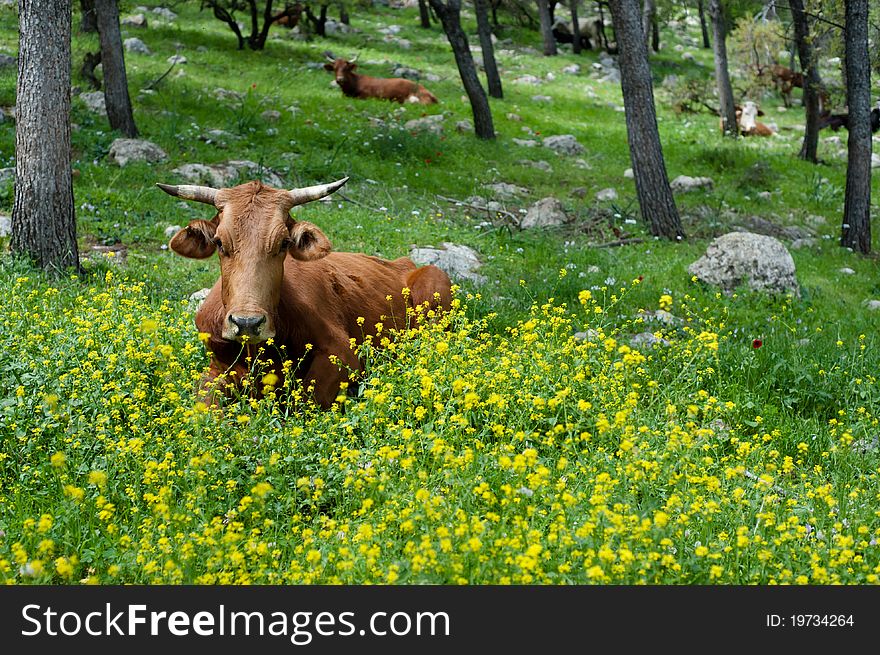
{"x": 872, "y": 305}
{"x": 164, "y": 13}
{"x": 606, "y": 195}
{"x": 660, "y": 316}
{"x": 875, "y": 160}
{"x": 94, "y": 101}
{"x": 760, "y": 262}
{"x": 171, "y": 230}
{"x": 525, "y": 143}
{"x": 7, "y": 174}
{"x": 579, "y": 192}
{"x": 760, "y": 225}
{"x": 547, "y": 212}
{"x": 123, "y": 151}
{"x": 197, "y": 299}
{"x": 228, "y": 173}
{"x": 459, "y": 262}
{"x": 516, "y": 118}
{"x": 628, "y": 174}
{"x": 807, "y": 242}
{"x": 564, "y": 144}
{"x": 5, "y": 225}
{"x": 271, "y": 115}
{"x": 647, "y": 339}
{"x": 136, "y": 46}
{"x": 589, "y": 335}
{"x": 138, "y": 20}
{"x": 846, "y": 271}
{"x": 506, "y": 191}
{"x": 406, "y": 72}
{"x": 528, "y": 79}
{"x": 686, "y": 183}
{"x": 431, "y": 124}
{"x": 541, "y": 165}
{"x": 481, "y": 203}
{"x": 815, "y": 221}
{"x": 572, "y": 69}
{"x": 542, "y": 99}
{"x": 116, "y": 254}
{"x": 465, "y": 127}
{"x": 7, "y": 61}
{"x": 176, "y": 59}
{"x": 225, "y": 94}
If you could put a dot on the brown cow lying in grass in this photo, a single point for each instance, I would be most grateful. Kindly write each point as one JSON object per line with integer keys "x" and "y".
{"x": 355, "y": 85}
{"x": 280, "y": 285}
{"x": 746, "y": 120}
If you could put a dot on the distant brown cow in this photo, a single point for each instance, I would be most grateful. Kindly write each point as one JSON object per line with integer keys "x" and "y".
{"x": 745, "y": 119}
{"x": 355, "y": 85}
{"x": 785, "y": 80}
{"x": 279, "y": 281}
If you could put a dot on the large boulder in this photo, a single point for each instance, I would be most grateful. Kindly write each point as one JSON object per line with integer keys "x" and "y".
{"x": 228, "y": 173}
{"x": 459, "y": 262}
{"x": 136, "y": 46}
{"x": 547, "y": 212}
{"x": 123, "y": 151}
{"x": 94, "y": 101}
{"x": 757, "y": 261}
{"x": 564, "y": 144}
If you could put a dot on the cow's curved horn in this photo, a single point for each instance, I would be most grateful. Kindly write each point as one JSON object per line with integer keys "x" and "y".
{"x": 203, "y": 194}
{"x": 354, "y": 59}
{"x": 309, "y": 193}
{"x": 329, "y": 55}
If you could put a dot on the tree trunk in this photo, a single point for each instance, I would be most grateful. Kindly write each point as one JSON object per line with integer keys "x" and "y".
{"x": 449, "y": 13}
{"x": 424, "y": 14}
{"x": 812, "y": 82}
{"x": 722, "y": 77}
{"x": 646, "y": 154}
{"x": 575, "y": 28}
{"x": 484, "y": 30}
{"x": 89, "y": 21}
{"x": 343, "y": 15}
{"x": 648, "y": 10}
{"x": 655, "y": 33}
{"x": 43, "y": 215}
{"x": 856, "y": 233}
{"x": 546, "y": 28}
{"x": 703, "y": 28}
{"x": 116, "y": 96}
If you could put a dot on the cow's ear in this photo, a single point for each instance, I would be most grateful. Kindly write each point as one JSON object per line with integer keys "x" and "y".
{"x": 196, "y": 240}
{"x": 351, "y": 67}
{"x": 328, "y": 67}
{"x": 307, "y": 242}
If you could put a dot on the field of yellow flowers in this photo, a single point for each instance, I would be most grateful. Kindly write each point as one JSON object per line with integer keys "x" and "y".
{"x": 467, "y": 456}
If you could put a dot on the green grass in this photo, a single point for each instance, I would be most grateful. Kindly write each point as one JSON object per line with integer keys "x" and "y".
{"x": 520, "y": 482}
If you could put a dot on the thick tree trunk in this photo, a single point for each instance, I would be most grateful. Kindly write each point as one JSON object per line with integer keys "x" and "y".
{"x": 484, "y": 30}
{"x": 546, "y": 28}
{"x": 575, "y": 28}
{"x": 116, "y": 96}
{"x": 856, "y": 233}
{"x": 43, "y": 215}
{"x": 722, "y": 76}
{"x": 646, "y": 154}
{"x": 89, "y": 21}
{"x": 812, "y": 82}
{"x": 424, "y": 14}
{"x": 449, "y": 13}
{"x": 703, "y": 28}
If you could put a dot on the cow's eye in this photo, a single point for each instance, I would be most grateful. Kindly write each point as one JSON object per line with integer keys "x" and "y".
{"x": 219, "y": 244}
{"x": 285, "y": 244}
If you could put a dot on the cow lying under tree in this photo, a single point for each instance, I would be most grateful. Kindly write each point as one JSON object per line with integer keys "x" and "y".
{"x": 355, "y": 85}
{"x": 836, "y": 121}
{"x": 279, "y": 280}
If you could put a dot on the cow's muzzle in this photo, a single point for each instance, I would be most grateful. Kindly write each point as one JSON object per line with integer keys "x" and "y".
{"x": 246, "y": 325}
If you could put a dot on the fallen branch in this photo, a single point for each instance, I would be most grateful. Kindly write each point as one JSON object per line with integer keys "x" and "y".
{"x": 619, "y": 242}
{"x": 160, "y": 78}
{"x": 510, "y": 215}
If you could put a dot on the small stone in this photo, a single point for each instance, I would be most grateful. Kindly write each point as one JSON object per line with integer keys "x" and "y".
{"x": 872, "y": 305}
{"x": 846, "y": 271}
{"x": 628, "y": 174}
{"x": 171, "y": 230}
{"x": 606, "y": 195}
{"x": 136, "y": 46}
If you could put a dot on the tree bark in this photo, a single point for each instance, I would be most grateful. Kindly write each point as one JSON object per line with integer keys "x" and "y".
{"x": 89, "y": 21}
{"x": 546, "y": 28}
{"x": 424, "y": 14}
{"x": 722, "y": 76}
{"x": 484, "y": 30}
{"x": 449, "y": 13}
{"x": 856, "y": 232}
{"x": 648, "y": 10}
{"x": 812, "y": 82}
{"x": 703, "y": 28}
{"x": 43, "y": 215}
{"x": 116, "y": 97}
{"x": 575, "y": 28}
{"x": 646, "y": 154}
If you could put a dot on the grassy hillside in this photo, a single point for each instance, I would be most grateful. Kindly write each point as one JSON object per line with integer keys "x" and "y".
{"x": 500, "y": 449}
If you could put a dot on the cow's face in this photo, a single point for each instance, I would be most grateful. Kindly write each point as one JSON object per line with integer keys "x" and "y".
{"x": 252, "y": 234}
{"x": 342, "y": 69}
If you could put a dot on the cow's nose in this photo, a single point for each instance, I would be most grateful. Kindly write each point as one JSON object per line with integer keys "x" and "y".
{"x": 247, "y": 325}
